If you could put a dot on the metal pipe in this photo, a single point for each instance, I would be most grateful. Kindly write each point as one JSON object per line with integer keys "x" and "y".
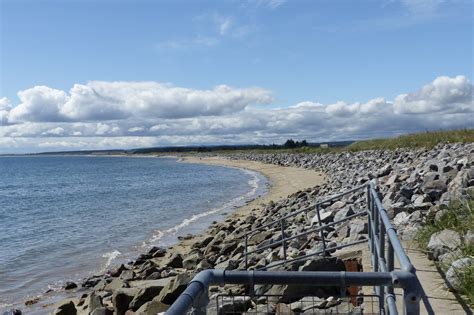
{"x": 321, "y": 232}
{"x": 276, "y": 243}
{"x": 292, "y": 214}
{"x": 314, "y": 254}
{"x": 405, "y": 263}
{"x": 199, "y": 285}
{"x": 283, "y": 239}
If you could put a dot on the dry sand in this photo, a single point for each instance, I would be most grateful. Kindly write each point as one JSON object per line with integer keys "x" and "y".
{"x": 283, "y": 181}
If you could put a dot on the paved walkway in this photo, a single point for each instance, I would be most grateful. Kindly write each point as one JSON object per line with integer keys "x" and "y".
{"x": 441, "y": 300}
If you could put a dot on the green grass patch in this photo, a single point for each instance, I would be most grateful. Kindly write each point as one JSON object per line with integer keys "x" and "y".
{"x": 426, "y": 140}
{"x": 459, "y": 217}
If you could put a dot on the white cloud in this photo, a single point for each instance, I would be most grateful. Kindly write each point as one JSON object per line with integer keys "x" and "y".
{"x": 223, "y": 24}
{"x": 102, "y": 101}
{"x": 138, "y": 114}
{"x": 444, "y": 94}
{"x": 5, "y": 107}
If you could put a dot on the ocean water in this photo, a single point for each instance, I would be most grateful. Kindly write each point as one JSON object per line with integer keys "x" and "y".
{"x": 67, "y": 217}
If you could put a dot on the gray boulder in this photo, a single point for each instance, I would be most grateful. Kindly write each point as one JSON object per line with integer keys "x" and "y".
{"x": 173, "y": 289}
{"x": 121, "y": 299}
{"x": 66, "y": 308}
{"x": 146, "y": 294}
{"x": 457, "y": 272}
{"x": 442, "y": 242}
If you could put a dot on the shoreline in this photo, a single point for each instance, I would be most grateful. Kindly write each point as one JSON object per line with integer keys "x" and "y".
{"x": 280, "y": 182}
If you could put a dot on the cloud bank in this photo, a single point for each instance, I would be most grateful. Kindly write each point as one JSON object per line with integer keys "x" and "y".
{"x": 137, "y": 114}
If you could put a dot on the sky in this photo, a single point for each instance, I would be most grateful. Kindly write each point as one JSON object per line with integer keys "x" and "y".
{"x": 103, "y": 74}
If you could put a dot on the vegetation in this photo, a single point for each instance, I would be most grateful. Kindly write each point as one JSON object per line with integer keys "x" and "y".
{"x": 459, "y": 217}
{"x": 426, "y": 140}
{"x": 417, "y": 140}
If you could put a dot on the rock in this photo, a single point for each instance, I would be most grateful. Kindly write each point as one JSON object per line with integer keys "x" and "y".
{"x": 121, "y": 299}
{"x": 469, "y": 238}
{"x": 66, "y": 308}
{"x": 152, "y": 307}
{"x": 337, "y": 205}
{"x": 434, "y": 189}
{"x": 324, "y": 216}
{"x": 358, "y": 227}
{"x": 69, "y": 285}
{"x": 173, "y": 289}
{"x": 127, "y": 275}
{"x": 115, "y": 284}
{"x": 386, "y": 170}
{"x": 175, "y": 261}
{"x": 146, "y": 294}
{"x": 401, "y": 219}
{"x": 102, "y": 311}
{"x": 442, "y": 242}
{"x": 191, "y": 261}
{"x": 92, "y": 302}
{"x": 291, "y": 293}
{"x": 154, "y": 276}
{"x": 344, "y": 213}
{"x": 457, "y": 272}
{"x": 117, "y": 271}
{"x": 32, "y": 301}
{"x": 91, "y": 281}
{"x": 258, "y": 238}
{"x": 308, "y": 303}
{"x": 13, "y": 311}
{"x": 157, "y": 252}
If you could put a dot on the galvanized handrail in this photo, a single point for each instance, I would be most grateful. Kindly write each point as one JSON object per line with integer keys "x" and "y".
{"x": 384, "y": 245}
{"x": 321, "y": 227}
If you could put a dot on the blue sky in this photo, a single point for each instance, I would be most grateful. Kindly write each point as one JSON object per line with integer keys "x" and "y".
{"x": 319, "y": 52}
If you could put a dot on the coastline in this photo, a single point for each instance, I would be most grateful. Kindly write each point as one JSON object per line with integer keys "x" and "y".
{"x": 283, "y": 181}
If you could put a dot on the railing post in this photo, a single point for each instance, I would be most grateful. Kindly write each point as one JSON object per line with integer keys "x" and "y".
{"x": 370, "y": 216}
{"x": 382, "y": 258}
{"x": 283, "y": 241}
{"x": 321, "y": 232}
{"x": 246, "y": 251}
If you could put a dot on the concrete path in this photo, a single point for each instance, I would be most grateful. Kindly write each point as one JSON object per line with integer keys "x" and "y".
{"x": 441, "y": 300}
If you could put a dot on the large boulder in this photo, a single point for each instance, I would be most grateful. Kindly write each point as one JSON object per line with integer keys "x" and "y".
{"x": 174, "y": 288}
{"x": 66, "y": 308}
{"x": 457, "y": 272}
{"x": 443, "y": 242}
{"x": 291, "y": 293}
{"x": 121, "y": 299}
{"x": 146, "y": 294}
{"x": 434, "y": 189}
{"x": 152, "y": 307}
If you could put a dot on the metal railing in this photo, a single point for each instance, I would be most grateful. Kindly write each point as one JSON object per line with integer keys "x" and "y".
{"x": 280, "y": 222}
{"x": 384, "y": 246}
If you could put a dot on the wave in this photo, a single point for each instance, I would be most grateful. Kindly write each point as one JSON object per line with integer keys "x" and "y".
{"x": 236, "y": 202}
{"x": 110, "y": 257}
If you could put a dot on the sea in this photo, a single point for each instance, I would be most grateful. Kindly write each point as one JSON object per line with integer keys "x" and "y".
{"x": 63, "y": 218}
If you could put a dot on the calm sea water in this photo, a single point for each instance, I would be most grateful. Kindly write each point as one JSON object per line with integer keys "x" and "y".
{"x": 63, "y": 218}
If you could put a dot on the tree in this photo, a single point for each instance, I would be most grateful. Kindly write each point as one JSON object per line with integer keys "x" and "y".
{"x": 290, "y": 143}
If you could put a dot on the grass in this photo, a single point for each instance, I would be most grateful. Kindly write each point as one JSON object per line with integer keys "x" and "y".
{"x": 426, "y": 140}
{"x": 459, "y": 217}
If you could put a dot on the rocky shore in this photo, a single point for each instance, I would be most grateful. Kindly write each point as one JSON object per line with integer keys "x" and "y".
{"x": 416, "y": 185}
